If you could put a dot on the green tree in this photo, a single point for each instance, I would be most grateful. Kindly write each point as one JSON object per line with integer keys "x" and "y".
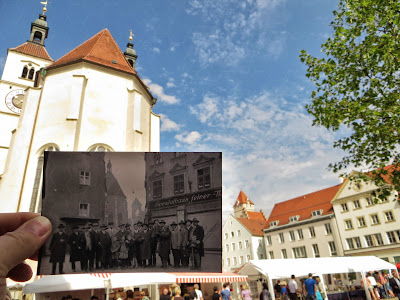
{"x": 357, "y": 85}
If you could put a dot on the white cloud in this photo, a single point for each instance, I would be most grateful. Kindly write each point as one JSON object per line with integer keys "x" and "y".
{"x": 190, "y": 138}
{"x": 206, "y": 110}
{"x": 158, "y": 91}
{"x": 156, "y": 50}
{"x": 170, "y": 82}
{"x": 167, "y": 124}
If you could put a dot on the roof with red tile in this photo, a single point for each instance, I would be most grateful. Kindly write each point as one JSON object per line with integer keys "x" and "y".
{"x": 242, "y": 199}
{"x": 303, "y": 206}
{"x": 100, "y": 49}
{"x": 255, "y": 226}
{"x": 254, "y": 215}
{"x": 32, "y": 49}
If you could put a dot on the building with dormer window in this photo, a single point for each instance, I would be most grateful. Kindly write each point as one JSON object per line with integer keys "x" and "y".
{"x": 242, "y": 235}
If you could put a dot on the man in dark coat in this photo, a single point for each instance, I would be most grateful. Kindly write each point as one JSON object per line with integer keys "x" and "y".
{"x": 145, "y": 245}
{"x": 186, "y": 253}
{"x": 91, "y": 253}
{"x": 164, "y": 244}
{"x": 184, "y": 244}
{"x": 395, "y": 284}
{"x": 105, "y": 242}
{"x": 198, "y": 233}
{"x": 153, "y": 244}
{"x": 76, "y": 249}
{"x": 58, "y": 247}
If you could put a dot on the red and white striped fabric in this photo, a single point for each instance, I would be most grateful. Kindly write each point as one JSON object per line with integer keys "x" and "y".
{"x": 209, "y": 277}
{"x": 101, "y": 275}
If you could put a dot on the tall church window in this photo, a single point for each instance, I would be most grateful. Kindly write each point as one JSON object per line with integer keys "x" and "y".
{"x": 37, "y": 37}
{"x": 24, "y": 72}
{"x": 36, "y": 199}
{"x": 37, "y": 76}
{"x": 100, "y": 148}
{"x": 31, "y": 73}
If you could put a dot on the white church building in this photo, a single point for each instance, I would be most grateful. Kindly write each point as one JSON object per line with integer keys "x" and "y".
{"x": 91, "y": 99}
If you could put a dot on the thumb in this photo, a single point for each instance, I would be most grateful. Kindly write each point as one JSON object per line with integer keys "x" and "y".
{"x": 22, "y": 243}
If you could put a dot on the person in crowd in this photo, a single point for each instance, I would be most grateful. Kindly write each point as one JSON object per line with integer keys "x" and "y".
{"x": 265, "y": 295}
{"x": 372, "y": 280}
{"x": 197, "y": 232}
{"x": 153, "y": 245}
{"x": 216, "y": 295}
{"x": 112, "y": 230}
{"x": 245, "y": 293}
{"x": 293, "y": 288}
{"x": 127, "y": 230}
{"x": 225, "y": 292}
{"x": 178, "y": 295}
{"x": 183, "y": 236}
{"x": 165, "y": 295}
{"x": 395, "y": 283}
{"x": 145, "y": 246}
{"x": 75, "y": 247}
{"x": 138, "y": 239}
{"x": 123, "y": 253}
{"x": 186, "y": 251}
{"x": 58, "y": 248}
{"x": 320, "y": 287}
{"x": 284, "y": 291}
{"x": 115, "y": 246}
{"x": 370, "y": 287}
{"x": 277, "y": 289}
{"x": 98, "y": 246}
{"x": 87, "y": 246}
{"x": 129, "y": 295}
{"x": 164, "y": 244}
{"x": 176, "y": 243}
{"x": 136, "y": 235}
{"x": 105, "y": 240}
{"x": 387, "y": 284}
{"x": 381, "y": 284}
{"x": 132, "y": 261}
{"x": 310, "y": 288}
{"x": 199, "y": 294}
{"x": 93, "y": 238}
{"x": 143, "y": 296}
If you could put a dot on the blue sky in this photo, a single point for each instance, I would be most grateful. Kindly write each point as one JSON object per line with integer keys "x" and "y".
{"x": 226, "y": 74}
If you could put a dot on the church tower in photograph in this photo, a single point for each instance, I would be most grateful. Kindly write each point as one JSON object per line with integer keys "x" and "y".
{"x": 90, "y": 99}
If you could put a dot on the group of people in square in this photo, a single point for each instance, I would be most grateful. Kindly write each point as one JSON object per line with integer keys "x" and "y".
{"x": 110, "y": 247}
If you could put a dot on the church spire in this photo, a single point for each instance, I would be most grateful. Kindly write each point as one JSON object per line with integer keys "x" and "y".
{"x": 130, "y": 53}
{"x": 39, "y": 29}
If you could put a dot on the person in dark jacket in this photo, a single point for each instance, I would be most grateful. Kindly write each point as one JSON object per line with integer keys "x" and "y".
{"x": 164, "y": 244}
{"x": 145, "y": 245}
{"x": 58, "y": 247}
{"x": 196, "y": 236}
{"x": 395, "y": 284}
{"x": 76, "y": 249}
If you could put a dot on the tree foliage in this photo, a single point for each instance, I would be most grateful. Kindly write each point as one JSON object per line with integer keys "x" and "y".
{"x": 357, "y": 85}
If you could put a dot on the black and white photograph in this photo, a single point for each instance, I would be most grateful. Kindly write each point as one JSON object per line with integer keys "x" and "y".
{"x": 132, "y": 212}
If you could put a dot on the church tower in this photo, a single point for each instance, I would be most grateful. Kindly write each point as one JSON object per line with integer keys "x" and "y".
{"x": 21, "y": 71}
{"x": 130, "y": 53}
{"x": 242, "y": 205}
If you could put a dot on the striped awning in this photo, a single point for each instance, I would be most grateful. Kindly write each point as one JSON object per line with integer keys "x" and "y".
{"x": 209, "y": 277}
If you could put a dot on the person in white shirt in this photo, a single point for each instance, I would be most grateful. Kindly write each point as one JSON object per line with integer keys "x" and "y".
{"x": 199, "y": 294}
{"x": 293, "y": 288}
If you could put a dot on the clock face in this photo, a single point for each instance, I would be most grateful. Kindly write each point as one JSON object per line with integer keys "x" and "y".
{"x": 14, "y": 100}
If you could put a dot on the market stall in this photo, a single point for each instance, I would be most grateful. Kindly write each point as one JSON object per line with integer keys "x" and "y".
{"x": 284, "y": 268}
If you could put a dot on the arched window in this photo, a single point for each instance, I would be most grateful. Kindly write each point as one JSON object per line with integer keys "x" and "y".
{"x": 37, "y": 37}
{"x": 37, "y": 76}
{"x": 36, "y": 200}
{"x": 31, "y": 73}
{"x": 101, "y": 148}
{"x": 24, "y": 72}
{"x": 130, "y": 62}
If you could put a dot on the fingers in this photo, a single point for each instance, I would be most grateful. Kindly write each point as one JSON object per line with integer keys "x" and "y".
{"x": 10, "y": 222}
{"x": 21, "y": 272}
{"x": 22, "y": 243}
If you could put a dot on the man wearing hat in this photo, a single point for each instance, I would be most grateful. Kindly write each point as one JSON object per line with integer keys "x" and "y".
{"x": 196, "y": 236}
{"x": 185, "y": 243}
{"x": 75, "y": 244}
{"x": 164, "y": 244}
{"x": 105, "y": 242}
{"x": 184, "y": 240}
{"x": 91, "y": 253}
{"x": 153, "y": 245}
{"x": 145, "y": 245}
{"x": 112, "y": 230}
{"x": 58, "y": 247}
{"x": 155, "y": 236}
{"x": 176, "y": 242}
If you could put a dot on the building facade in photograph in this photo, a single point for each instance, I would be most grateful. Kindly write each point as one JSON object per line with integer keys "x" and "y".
{"x": 91, "y": 99}
{"x": 242, "y": 235}
{"x": 366, "y": 227}
{"x": 181, "y": 186}
{"x": 304, "y": 227}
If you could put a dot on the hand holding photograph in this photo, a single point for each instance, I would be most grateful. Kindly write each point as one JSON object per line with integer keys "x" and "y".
{"x": 132, "y": 212}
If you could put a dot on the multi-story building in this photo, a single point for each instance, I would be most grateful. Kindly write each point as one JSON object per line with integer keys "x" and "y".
{"x": 304, "y": 227}
{"x": 242, "y": 235}
{"x": 367, "y": 226}
{"x": 181, "y": 186}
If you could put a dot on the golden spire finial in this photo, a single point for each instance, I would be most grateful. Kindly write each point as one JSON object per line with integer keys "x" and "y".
{"x": 131, "y": 35}
{"x": 45, "y": 6}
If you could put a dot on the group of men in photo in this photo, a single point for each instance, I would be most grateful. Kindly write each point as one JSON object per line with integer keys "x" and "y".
{"x": 101, "y": 247}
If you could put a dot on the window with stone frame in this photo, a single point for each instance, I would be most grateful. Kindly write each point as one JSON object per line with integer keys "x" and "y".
{"x": 292, "y": 236}
{"x": 361, "y": 222}
{"x": 269, "y": 240}
{"x": 369, "y": 201}
{"x": 328, "y": 228}
{"x": 389, "y": 217}
{"x": 284, "y": 253}
{"x": 24, "y": 72}
{"x": 391, "y": 237}
{"x": 83, "y": 210}
{"x": 316, "y": 250}
{"x": 299, "y": 252}
{"x": 204, "y": 178}
{"x": 344, "y": 207}
{"x": 271, "y": 254}
{"x": 348, "y": 224}
{"x": 84, "y": 177}
{"x": 157, "y": 189}
{"x": 281, "y": 237}
{"x": 332, "y": 248}
{"x": 300, "y": 234}
{"x": 375, "y": 219}
{"x": 240, "y": 245}
{"x": 312, "y": 231}
{"x": 179, "y": 184}
{"x": 356, "y": 204}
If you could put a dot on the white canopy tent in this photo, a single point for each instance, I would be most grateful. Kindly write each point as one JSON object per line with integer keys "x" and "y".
{"x": 284, "y": 268}
{"x": 71, "y": 282}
